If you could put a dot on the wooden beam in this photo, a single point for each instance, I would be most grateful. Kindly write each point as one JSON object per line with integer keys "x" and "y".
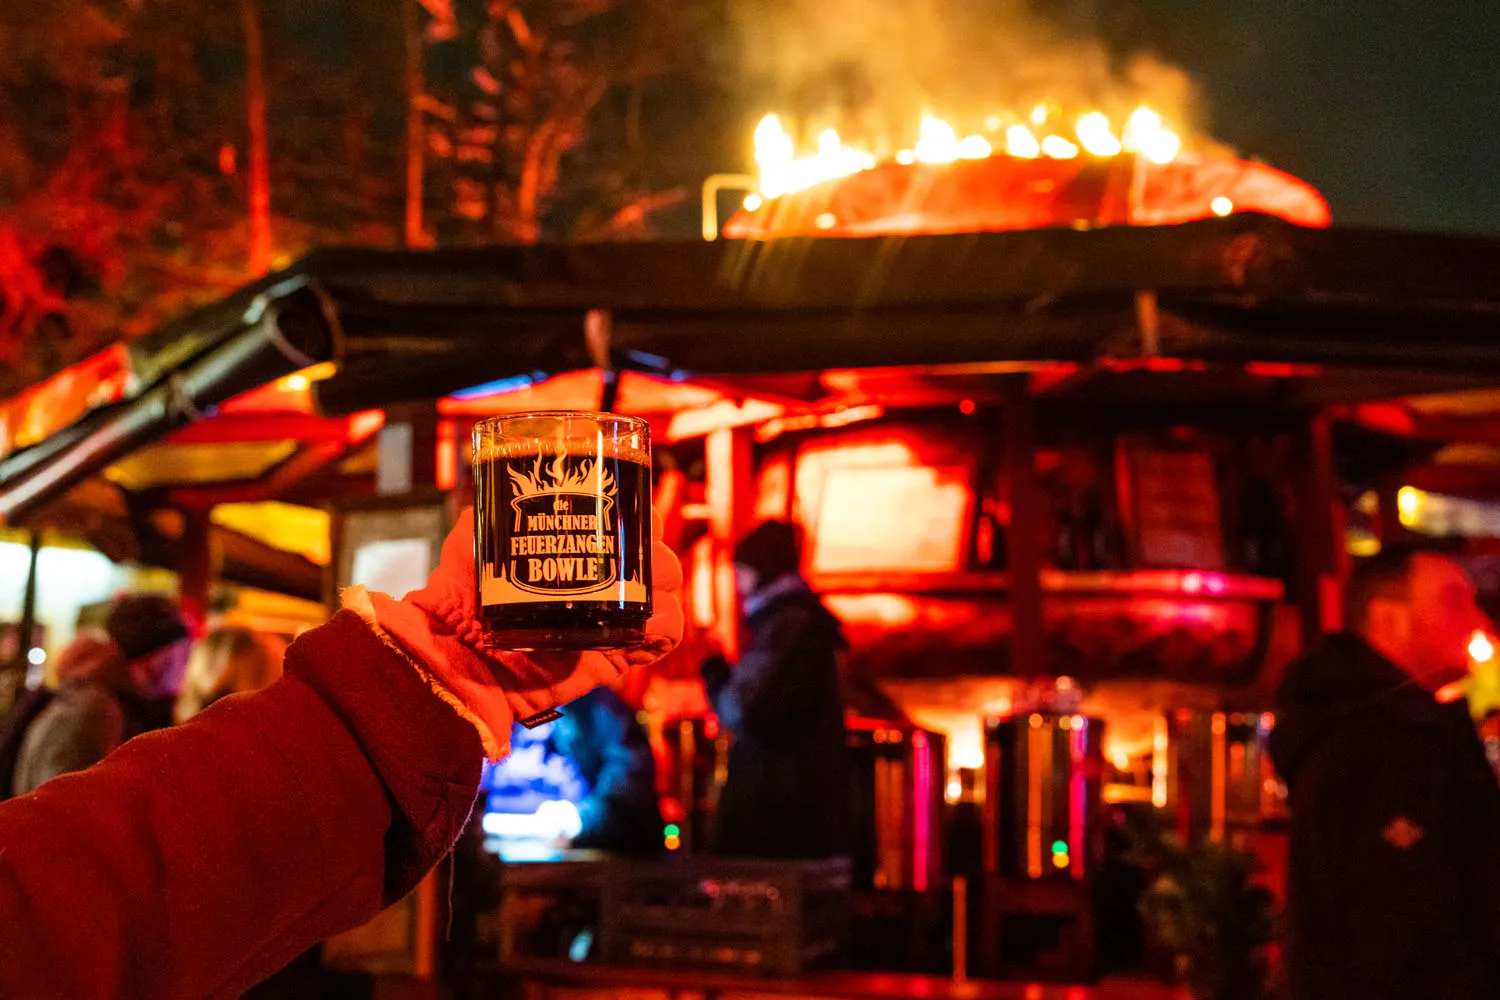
{"x": 256, "y": 564}
{"x": 196, "y": 567}
{"x": 306, "y": 463}
{"x": 730, "y": 484}
{"x": 1030, "y": 526}
{"x": 238, "y": 427}
{"x": 722, "y": 416}
{"x": 1479, "y": 482}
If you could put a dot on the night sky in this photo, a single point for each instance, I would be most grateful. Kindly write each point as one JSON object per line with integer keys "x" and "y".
{"x": 1390, "y": 107}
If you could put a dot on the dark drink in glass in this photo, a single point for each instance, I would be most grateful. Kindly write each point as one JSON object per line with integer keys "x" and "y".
{"x": 562, "y": 530}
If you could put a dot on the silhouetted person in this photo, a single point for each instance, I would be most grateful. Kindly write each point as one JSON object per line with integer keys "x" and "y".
{"x": 609, "y": 749}
{"x": 784, "y": 796}
{"x": 1394, "y": 885}
{"x": 119, "y": 697}
{"x": 230, "y": 660}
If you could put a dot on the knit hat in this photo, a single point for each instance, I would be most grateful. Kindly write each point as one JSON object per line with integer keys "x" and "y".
{"x": 772, "y": 549}
{"x": 141, "y": 624}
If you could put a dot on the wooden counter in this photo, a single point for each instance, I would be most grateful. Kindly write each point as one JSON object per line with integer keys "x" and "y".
{"x": 547, "y": 978}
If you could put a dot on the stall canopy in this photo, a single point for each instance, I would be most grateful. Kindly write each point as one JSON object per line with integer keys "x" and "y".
{"x": 275, "y": 393}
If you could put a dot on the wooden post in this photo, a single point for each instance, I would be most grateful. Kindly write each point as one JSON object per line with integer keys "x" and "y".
{"x": 1389, "y": 526}
{"x": 1317, "y": 586}
{"x": 730, "y": 493}
{"x": 427, "y": 925}
{"x": 196, "y": 565}
{"x": 1028, "y": 532}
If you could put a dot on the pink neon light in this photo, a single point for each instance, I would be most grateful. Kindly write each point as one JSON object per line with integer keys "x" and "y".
{"x": 922, "y": 762}
{"x": 1078, "y": 788}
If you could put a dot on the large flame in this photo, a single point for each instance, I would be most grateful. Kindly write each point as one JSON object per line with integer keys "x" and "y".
{"x": 1038, "y": 133}
{"x": 782, "y": 171}
{"x": 589, "y": 477}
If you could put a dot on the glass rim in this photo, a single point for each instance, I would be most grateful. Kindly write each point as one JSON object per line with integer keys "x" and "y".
{"x": 596, "y": 415}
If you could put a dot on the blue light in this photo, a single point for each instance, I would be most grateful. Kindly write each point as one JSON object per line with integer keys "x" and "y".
{"x": 512, "y": 384}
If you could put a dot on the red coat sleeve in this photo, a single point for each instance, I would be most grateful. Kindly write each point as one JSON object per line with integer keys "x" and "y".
{"x": 195, "y": 861}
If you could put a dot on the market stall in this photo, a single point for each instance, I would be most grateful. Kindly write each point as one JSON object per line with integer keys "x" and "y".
{"x": 1077, "y": 495}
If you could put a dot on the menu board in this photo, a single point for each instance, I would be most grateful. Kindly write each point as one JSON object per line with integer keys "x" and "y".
{"x": 1175, "y": 509}
{"x": 909, "y": 519}
{"x": 391, "y": 545}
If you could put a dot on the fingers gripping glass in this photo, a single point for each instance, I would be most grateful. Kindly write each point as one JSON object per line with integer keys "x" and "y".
{"x": 562, "y": 530}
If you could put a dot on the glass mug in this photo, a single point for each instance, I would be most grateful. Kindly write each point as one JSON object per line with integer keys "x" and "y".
{"x": 562, "y": 530}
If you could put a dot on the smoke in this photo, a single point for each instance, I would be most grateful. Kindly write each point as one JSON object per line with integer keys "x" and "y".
{"x": 871, "y": 67}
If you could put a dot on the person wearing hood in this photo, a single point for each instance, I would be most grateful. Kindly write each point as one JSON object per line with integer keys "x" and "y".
{"x": 784, "y": 794}
{"x": 126, "y": 688}
{"x": 1394, "y": 879}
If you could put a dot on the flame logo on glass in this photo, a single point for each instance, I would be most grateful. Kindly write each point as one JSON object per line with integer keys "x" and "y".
{"x": 563, "y": 538}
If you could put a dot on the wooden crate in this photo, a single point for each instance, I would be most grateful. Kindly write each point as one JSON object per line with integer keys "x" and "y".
{"x": 747, "y": 916}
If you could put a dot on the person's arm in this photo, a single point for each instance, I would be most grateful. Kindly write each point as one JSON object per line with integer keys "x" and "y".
{"x": 762, "y": 689}
{"x": 193, "y": 862}
{"x": 196, "y": 861}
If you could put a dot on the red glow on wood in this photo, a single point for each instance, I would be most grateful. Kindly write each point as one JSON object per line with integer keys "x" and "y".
{"x": 1008, "y": 193}
{"x": 363, "y": 425}
{"x": 1156, "y": 365}
{"x": 1282, "y": 369}
{"x": 242, "y": 427}
{"x": 49, "y": 406}
{"x": 922, "y": 767}
{"x": 1389, "y": 417}
{"x": 447, "y": 455}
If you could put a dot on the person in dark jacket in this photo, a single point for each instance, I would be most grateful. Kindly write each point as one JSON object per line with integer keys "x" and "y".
{"x": 784, "y": 796}
{"x": 1394, "y": 882}
{"x": 124, "y": 695}
{"x": 608, "y": 747}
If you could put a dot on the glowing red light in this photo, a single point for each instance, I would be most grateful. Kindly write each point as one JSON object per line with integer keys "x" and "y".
{"x": 1281, "y": 369}
{"x": 966, "y": 407}
{"x": 1192, "y": 583}
{"x": 362, "y": 425}
{"x": 447, "y": 456}
{"x": 922, "y": 765}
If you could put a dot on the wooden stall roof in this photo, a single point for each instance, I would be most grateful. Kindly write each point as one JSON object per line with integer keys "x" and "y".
{"x": 1246, "y": 307}
{"x": 1409, "y": 313}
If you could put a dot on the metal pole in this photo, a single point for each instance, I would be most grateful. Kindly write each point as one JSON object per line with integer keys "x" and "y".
{"x": 711, "y": 189}
{"x": 28, "y": 605}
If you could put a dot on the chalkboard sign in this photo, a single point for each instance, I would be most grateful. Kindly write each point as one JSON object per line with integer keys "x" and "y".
{"x": 1172, "y": 513}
